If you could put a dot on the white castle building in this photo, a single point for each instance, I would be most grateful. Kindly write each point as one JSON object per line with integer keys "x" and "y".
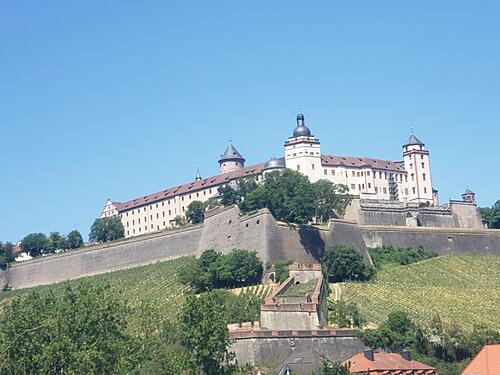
{"x": 407, "y": 180}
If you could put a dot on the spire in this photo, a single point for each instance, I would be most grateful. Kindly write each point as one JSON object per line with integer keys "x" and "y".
{"x": 231, "y": 154}
{"x": 198, "y": 175}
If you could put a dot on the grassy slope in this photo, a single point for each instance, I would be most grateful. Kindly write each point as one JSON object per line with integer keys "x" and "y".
{"x": 155, "y": 284}
{"x": 464, "y": 289}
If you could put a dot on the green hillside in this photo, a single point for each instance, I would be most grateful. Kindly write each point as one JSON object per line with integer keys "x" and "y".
{"x": 463, "y": 289}
{"x": 460, "y": 288}
{"x": 154, "y": 287}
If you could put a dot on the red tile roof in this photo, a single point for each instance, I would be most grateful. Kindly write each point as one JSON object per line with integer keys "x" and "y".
{"x": 361, "y": 162}
{"x": 189, "y": 187}
{"x": 486, "y": 362}
{"x": 387, "y": 364}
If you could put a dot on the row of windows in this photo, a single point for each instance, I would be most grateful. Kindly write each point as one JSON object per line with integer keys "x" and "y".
{"x": 190, "y": 196}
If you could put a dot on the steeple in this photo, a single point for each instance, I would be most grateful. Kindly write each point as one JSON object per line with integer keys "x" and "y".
{"x": 198, "y": 175}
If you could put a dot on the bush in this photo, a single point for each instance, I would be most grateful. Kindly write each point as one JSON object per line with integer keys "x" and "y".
{"x": 282, "y": 270}
{"x": 346, "y": 263}
{"x": 402, "y": 256}
{"x": 6, "y": 255}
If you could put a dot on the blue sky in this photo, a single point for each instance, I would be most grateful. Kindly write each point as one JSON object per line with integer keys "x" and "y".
{"x": 106, "y": 99}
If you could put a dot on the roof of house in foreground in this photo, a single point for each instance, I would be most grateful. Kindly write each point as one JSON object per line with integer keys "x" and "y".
{"x": 486, "y": 362}
{"x": 388, "y": 364}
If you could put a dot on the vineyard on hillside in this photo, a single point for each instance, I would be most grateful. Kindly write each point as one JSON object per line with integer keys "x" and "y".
{"x": 463, "y": 289}
{"x": 154, "y": 288}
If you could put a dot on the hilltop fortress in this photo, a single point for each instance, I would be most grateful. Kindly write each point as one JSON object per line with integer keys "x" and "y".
{"x": 394, "y": 205}
{"x": 387, "y": 192}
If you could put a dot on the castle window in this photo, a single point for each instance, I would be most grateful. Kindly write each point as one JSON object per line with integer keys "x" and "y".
{"x": 362, "y": 173}
{"x": 325, "y": 172}
{"x": 386, "y": 175}
{"x": 311, "y": 153}
{"x": 294, "y": 154}
{"x": 182, "y": 208}
{"x": 152, "y": 226}
{"x": 133, "y": 222}
{"x": 368, "y": 174}
{"x": 353, "y": 186}
{"x": 152, "y": 216}
{"x": 369, "y": 185}
{"x": 145, "y": 218}
{"x": 189, "y": 196}
{"x": 425, "y": 190}
{"x": 169, "y": 212}
{"x": 133, "y": 231}
{"x": 156, "y": 205}
{"x": 127, "y": 224}
{"x": 363, "y": 186}
{"x": 163, "y": 213}
{"x": 380, "y": 174}
{"x": 128, "y": 233}
{"x": 376, "y": 189}
{"x": 406, "y": 191}
{"x": 197, "y": 195}
{"x": 151, "y": 207}
{"x": 413, "y": 189}
{"x": 312, "y": 165}
{"x": 157, "y": 227}
{"x": 357, "y": 174}
{"x": 204, "y": 192}
{"x": 298, "y": 167}
{"x": 163, "y": 204}
{"x": 406, "y": 178}
{"x": 127, "y": 214}
{"x": 164, "y": 224}
{"x": 423, "y": 165}
{"x": 182, "y": 198}
{"x": 139, "y": 220}
{"x": 168, "y": 202}
{"x": 359, "y": 186}
{"x": 157, "y": 215}
{"x": 139, "y": 229}
{"x": 413, "y": 177}
{"x": 210, "y": 191}
{"x": 411, "y": 166}
{"x": 145, "y": 227}
{"x": 333, "y": 172}
{"x": 132, "y": 212}
{"x": 353, "y": 174}
{"x": 385, "y": 190}
{"x": 423, "y": 176}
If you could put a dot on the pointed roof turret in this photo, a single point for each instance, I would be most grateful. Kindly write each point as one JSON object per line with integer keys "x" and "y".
{"x": 198, "y": 175}
{"x": 414, "y": 141}
{"x": 231, "y": 154}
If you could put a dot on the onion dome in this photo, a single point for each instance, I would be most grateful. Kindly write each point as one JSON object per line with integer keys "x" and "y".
{"x": 301, "y": 130}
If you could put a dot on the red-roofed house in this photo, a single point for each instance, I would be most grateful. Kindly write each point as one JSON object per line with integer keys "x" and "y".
{"x": 486, "y": 362}
{"x": 380, "y": 363}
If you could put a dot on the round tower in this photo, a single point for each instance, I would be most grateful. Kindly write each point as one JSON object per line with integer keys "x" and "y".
{"x": 231, "y": 160}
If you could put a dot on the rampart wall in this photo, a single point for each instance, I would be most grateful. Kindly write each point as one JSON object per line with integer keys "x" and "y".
{"x": 227, "y": 229}
{"x": 273, "y": 347}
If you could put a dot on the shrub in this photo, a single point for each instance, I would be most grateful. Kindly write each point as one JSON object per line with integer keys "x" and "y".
{"x": 344, "y": 314}
{"x": 403, "y": 256}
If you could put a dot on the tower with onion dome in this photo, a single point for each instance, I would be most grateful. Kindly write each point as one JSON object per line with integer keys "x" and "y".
{"x": 303, "y": 152}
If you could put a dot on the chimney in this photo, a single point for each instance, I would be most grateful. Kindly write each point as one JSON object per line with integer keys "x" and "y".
{"x": 368, "y": 352}
{"x": 406, "y": 354}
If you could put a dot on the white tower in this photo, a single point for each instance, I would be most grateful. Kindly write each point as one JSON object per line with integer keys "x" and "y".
{"x": 418, "y": 183}
{"x": 302, "y": 151}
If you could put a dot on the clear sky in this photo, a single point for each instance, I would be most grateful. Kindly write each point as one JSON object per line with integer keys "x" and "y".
{"x": 106, "y": 99}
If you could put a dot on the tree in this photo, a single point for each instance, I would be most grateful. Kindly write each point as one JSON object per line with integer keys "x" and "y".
{"x": 205, "y": 333}
{"x": 180, "y": 221}
{"x": 74, "y": 240}
{"x": 290, "y": 196}
{"x": 82, "y": 331}
{"x": 330, "y": 198}
{"x": 6, "y": 255}
{"x": 344, "y": 314}
{"x": 56, "y": 242}
{"x": 345, "y": 263}
{"x": 107, "y": 229}
{"x": 333, "y": 368}
{"x": 238, "y": 268}
{"x": 35, "y": 244}
{"x": 492, "y": 215}
{"x": 195, "y": 212}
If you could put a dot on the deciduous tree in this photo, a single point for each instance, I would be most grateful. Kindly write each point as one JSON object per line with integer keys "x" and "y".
{"x": 35, "y": 244}
{"x": 195, "y": 212}
{"x": 107, "y": 229}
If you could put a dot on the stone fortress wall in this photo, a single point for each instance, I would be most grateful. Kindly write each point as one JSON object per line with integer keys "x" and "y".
{"x": 225, "y": 229}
